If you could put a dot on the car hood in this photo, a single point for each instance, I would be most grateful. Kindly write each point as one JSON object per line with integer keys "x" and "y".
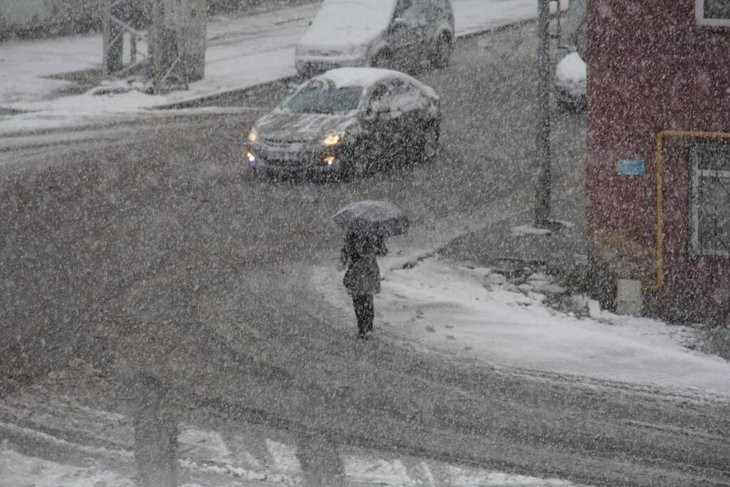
{"x": 341, "y": 25}
{"x": 302, "y": 127}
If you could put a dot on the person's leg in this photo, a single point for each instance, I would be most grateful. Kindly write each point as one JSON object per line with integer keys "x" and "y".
{"x": 369, "y": 312}
{"x": 359, "y": 302}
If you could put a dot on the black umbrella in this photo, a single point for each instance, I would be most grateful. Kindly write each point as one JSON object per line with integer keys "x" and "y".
{"x": 371, "y": 217}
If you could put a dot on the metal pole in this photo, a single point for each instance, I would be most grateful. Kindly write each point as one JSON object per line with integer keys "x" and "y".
{"x": 558, "y": 28}
{"x": 155, "y": 434}
{"x": 106, "y": 12}
{"x": 113, "y": 36}
{"x": 156, "y": 48}
{"x": 542, "y": 139}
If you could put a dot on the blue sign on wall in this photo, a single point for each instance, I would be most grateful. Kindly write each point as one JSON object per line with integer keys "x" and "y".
{"x": 630, "y": 167}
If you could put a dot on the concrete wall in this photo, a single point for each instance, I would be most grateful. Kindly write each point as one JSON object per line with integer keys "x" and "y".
{"x": 182, "y": 32}
{"x": 653, "y": 68}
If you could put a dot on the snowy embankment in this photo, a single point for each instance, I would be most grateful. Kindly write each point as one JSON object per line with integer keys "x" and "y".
{"x": 475, "y": 313}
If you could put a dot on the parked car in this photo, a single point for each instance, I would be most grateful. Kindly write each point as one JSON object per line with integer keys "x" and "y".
{"x": 395, "y": 34}
{"x": 571, "y": 70}
{"x": 570, "y": 82}
{"x": 347, "y": 122}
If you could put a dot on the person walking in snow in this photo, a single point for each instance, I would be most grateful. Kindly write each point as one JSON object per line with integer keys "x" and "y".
{"x": 362, "y": 277}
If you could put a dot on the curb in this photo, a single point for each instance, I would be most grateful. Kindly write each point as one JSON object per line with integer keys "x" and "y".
{"x": 217, "y": 97}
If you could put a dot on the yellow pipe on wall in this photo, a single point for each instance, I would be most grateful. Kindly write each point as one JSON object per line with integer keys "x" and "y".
{"x": 659, "y": 163}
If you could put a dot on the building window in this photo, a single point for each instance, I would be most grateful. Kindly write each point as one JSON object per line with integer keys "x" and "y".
{"x": 710, "y": 202}
{"x": 713, "y": 12}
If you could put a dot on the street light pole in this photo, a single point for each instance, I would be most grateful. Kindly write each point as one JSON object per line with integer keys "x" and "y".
{"x": 542, "y": 139}
{"x": 112, "y": 36}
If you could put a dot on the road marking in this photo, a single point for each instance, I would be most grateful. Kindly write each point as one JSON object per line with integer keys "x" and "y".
{"x": 284, "y": 456}
{"x": 202, "y": 443}
{"x": 427, "y": 473}
{"x": 377, "y": 471}
{"x": 110, "y": 453}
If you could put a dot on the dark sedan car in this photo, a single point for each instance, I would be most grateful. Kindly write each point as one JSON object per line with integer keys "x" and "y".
{"x": 347, "y": 122}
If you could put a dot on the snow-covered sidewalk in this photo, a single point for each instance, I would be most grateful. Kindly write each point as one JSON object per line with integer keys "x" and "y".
{"x": 478, "y": 314}
{"x": 242, "y": 52}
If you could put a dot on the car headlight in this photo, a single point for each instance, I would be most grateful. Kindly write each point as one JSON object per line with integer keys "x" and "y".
{"x": 253, "y": 136}
{"x": 332, "y": 139}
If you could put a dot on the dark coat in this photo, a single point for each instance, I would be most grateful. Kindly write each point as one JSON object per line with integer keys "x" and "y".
{"x": 359, "y": 255}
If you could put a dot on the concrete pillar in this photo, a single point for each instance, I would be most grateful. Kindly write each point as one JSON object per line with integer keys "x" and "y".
{"x": 155, "y": 435}
{"x": 320, "y": 460}
{"x": 178, "y": 41}
{"x": 113, "y": 36}
{"x": 628, "y": 297}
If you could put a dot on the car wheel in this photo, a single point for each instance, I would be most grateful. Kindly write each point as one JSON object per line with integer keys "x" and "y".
{"x": 442, "y": 52}
{"x": 430, "y": 142}
{"x": 355, "y": 168}
{"x": 251, "y": 174}
{"x": 255, "y": 174}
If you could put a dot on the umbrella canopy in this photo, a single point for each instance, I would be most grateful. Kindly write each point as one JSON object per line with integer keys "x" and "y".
{"x": 372, "y": 217}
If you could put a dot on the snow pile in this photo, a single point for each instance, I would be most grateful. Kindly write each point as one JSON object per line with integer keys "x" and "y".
{"x": 474, "y": 313}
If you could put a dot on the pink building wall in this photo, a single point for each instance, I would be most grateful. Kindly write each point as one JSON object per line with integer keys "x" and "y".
{"x": 653, "y": 68}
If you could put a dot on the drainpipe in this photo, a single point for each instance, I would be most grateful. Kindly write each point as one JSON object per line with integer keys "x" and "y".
{"x": 659, "y": 163}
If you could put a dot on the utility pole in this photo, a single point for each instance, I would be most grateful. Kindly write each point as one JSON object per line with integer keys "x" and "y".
{"x": 157, "y": 49}
{"x": 121, "y": 19}
{"x": 542, "y": 139}
{"x": 176, "y": 39}
{"x": 113, "y": 36}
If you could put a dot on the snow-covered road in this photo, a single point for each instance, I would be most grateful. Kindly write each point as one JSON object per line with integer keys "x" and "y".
{"x": 88, "y": 447}
{"x": 551, "y": 393}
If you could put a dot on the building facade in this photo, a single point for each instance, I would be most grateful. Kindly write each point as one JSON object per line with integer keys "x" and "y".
{"x": 658, "y": 168}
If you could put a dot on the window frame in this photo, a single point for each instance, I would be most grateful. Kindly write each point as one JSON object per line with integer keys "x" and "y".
{"x": 695, "y": 157}
{"x": 704, "y": 21}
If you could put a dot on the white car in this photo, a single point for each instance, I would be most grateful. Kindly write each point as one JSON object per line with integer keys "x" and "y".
{"x": 571, "y": 70}
{"x": 393, "y": 34}
{"x": 570, "y": 82}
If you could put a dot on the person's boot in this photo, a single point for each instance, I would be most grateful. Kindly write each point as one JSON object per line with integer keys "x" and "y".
{"x": 369, "y": 329}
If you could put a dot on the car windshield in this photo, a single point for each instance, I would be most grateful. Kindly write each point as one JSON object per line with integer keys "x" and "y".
{"x": 320, "y": 97}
